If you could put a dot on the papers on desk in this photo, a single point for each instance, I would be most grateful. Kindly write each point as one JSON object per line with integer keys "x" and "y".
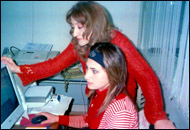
{"x": 51, "y": 107}
{"x": 55, "y": 107}
{"x": 38, "y": 47}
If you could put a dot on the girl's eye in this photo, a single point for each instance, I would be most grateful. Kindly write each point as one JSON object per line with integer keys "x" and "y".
{"x": 94, "y": 71}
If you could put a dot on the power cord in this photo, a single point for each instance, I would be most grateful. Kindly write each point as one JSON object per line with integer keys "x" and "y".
{"x": 15, "y": 48}
{"x": 85, "y": 108}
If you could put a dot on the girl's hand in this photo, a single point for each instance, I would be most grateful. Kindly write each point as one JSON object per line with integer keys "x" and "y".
{"x": 164, "y": 124}
{"x": 50, "y": 117}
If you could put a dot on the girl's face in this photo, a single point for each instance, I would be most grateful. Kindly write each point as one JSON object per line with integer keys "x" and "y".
{"x": 78, "y": 30}
{"x": 96, "y": 75}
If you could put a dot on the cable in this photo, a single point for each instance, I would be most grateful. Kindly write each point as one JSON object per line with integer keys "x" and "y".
{"x": 15, "y": 48}
{"x": 85, "y": 109}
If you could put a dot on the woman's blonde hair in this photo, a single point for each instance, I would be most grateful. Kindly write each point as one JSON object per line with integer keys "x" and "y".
{"x": 116, "y": 69}
{"x": 97, "y": 22}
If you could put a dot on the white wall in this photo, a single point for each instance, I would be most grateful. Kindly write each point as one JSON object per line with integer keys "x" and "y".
{"x": 16, "y": 23}
{"x": 45, "y": 21}
{"x": 125, "y": 16}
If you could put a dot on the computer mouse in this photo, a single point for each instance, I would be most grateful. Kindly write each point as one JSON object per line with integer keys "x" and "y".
{"x": 38, "y": 119}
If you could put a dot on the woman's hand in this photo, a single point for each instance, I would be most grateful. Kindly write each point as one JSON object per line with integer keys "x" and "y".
{"x": 11, "y": 64}
{"x": 164, "y": 124}
{"x": 50, "y": 117}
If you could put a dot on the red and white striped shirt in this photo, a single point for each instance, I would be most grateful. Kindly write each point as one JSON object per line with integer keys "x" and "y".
{"x": 120, "y": 114}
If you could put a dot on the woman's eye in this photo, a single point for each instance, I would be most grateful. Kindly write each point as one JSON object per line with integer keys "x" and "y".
{"x": 79, "y": 27}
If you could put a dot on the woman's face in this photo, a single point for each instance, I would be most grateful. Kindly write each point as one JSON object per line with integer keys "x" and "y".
{"x": 96, "y": 75}
{"x": 78, "y": 30}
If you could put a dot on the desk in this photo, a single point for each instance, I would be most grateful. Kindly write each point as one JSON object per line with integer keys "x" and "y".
{"x": 76, "y": 90}
{"x": 52, "y": 107}
{"x": 52, "y": 126}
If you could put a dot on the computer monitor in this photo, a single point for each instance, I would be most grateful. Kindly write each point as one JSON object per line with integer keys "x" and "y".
{"x": 11, "y": 104}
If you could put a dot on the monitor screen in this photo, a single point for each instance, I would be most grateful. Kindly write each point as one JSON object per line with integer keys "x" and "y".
{"x": 11, "y": 105}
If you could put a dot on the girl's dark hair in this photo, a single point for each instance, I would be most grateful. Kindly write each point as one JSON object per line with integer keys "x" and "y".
{"x": 97, "y": 22}
{"x": 116, "y": 69}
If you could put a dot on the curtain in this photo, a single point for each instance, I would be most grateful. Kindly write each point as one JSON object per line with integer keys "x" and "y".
{"x": 163, "y": 40}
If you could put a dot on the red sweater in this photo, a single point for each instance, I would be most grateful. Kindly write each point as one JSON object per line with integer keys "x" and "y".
{"x": 120, "y": 114}
{"x": 138, "y": 72}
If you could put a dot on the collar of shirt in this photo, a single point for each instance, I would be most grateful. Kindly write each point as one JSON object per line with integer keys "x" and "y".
{"x": 96, "y": 103}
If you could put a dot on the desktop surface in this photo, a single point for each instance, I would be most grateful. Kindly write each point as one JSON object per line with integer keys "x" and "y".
{"x": 52, "y": 126}
{"x": 54, "y": 107}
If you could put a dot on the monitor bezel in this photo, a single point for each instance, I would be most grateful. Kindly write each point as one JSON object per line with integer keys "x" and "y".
{"x": 17, "y": 113}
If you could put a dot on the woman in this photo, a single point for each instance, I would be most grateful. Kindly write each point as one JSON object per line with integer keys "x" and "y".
{"x": 110, "y": 107}
{"x": 90, "y": 24}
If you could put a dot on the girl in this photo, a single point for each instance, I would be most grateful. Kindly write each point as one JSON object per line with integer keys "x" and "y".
{"x": 110, "y": 106}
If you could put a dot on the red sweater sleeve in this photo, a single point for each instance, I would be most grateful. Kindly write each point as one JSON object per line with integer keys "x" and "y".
{"x": 74, "y": 121}
{"x": 64, "y": 120}
{"x": 48, "y": 68}
{"x": 139, "y": 71}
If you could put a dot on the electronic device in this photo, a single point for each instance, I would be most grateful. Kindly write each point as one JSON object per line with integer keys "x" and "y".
{"x": 38, "y": 93}
{"x": 38, "y": 96}
{"x": 30, "y": 54}
{"x": 56, "y": 98}
{"x": 73, "y": 71}
{"x": 33, "y": 53}
{"x": 30, "y": 57}
{"x": 11, "y": 103}
{"x": 38, "y": 119}
{"x": 5, "y": 50}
